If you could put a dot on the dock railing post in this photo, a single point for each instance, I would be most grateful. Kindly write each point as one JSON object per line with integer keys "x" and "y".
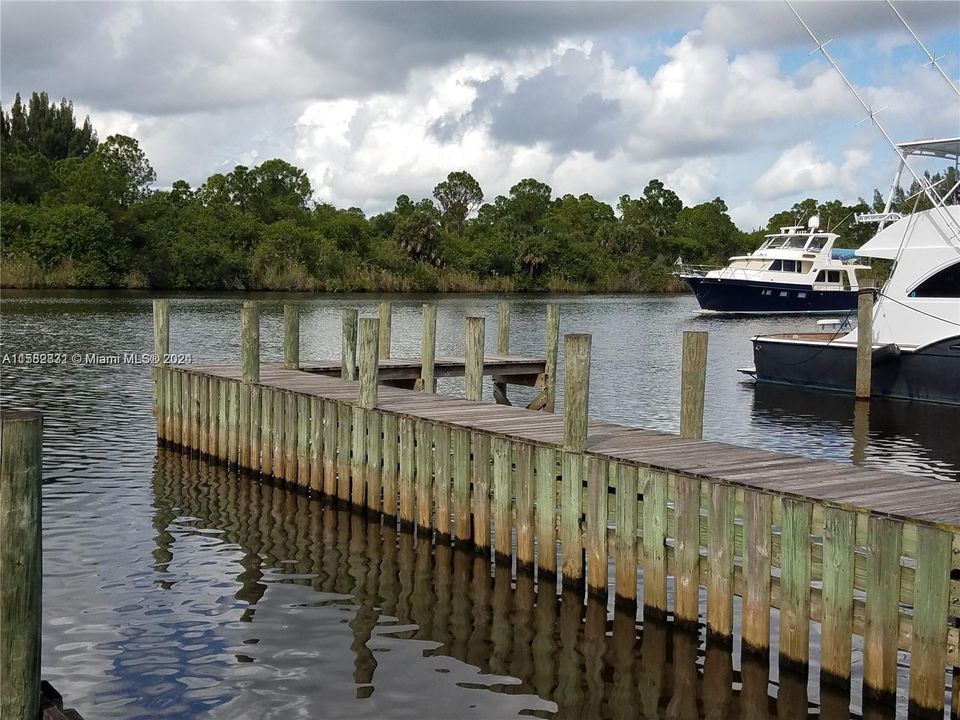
{"x": 429, "y": 355}
{"x": 348, "y": 355}
{"x": 21, "y": 573}
{"x": 576, "y": 391}
{"x": 291, "y": 336}
{"x": 386, "y": 318}
{"x": 369, "y": 363}
{"x": 864, "y": 342}
{"x": 250, "y": 341}
{"x": 693, "y": 378}
{"x": 552, "y": 345}
{"x": 473, "y": 372}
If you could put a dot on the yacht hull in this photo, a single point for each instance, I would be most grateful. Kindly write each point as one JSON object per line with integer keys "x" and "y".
{"x": 930, "y": 374}
{"x": 746, "y": 296}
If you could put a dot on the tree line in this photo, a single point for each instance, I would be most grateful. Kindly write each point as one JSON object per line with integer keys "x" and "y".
{"x": 78, "y": 212}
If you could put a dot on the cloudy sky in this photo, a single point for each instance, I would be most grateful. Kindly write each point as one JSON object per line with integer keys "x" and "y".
{"x": 377, "y": 99}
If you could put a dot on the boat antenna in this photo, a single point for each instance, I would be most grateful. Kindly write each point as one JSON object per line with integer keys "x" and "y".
{"x": 933, "y": 58}
{"x": 872, "y": 117}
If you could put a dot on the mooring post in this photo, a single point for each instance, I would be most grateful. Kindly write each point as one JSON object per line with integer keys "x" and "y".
{"x": 291, "y": 336}
{"x": 161, "y": 330}
{"x": 348, "y": 362}
{"x": 21, "y": 573}
{"x": 503, "y": 348}
{"x": 429, "y": 354}
{"x": 473, "y": 372}
{"x": 503, "y": 329}
{"x": 693, "y": 378}
{"x": 864, "y": 342}
{"x": 386, "y": 320}
{"x": 369, "y": 366}
{"x": 250, "y": 342}
{"x": 576, "y": 391}
{"x": 550, "y": 367}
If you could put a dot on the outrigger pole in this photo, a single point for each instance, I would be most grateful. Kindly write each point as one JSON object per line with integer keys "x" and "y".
{"x": 933, "y": 59}
{"x": 872, "y": 116}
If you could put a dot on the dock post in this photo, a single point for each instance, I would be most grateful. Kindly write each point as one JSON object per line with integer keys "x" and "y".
{"x": 576, "y": 392}
{"x": 503, "y": 348}
{"x": 367, "y": 400}
{"x": 348, "y": 354}
{"x": 550, "y": 368}
{"x": 473, "y": 373}
{"x": 864, "y": 342}
{"x": 386, "y": 322}
{"x": 369, "y": 367}
{"x": 429, "y": 355}
{"x": 291, "y": 336}
{"x": 250, "y": 342}
{"x": 161, "y": 348}
{"x": 21, "y": 571}
{"x": 693, "y": 377}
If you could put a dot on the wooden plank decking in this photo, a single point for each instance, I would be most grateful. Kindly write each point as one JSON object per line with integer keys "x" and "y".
{"x": 895, "y": 495}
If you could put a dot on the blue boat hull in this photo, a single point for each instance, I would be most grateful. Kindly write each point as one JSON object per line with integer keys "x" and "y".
{"x": 745, "y": 296}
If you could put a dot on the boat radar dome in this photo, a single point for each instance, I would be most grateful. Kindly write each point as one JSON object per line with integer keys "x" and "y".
{"x": 814, "y": 222}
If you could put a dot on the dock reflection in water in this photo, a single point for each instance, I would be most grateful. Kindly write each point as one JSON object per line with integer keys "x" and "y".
{"x": 532, "y": 651}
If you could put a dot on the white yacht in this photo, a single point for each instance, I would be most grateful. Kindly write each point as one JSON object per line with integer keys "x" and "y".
{"x": 916, "y": 321}
{"x": 797, "y": 270}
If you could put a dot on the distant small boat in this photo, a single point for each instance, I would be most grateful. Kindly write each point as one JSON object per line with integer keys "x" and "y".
{"x": 796, "y": 270}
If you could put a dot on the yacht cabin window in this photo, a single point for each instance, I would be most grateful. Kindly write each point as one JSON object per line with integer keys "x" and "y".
{"x": 828, "y": 276}
{"x": 816, "y": 243}
{"x": 785, "y": 266}
{"x": 944, "y": 284}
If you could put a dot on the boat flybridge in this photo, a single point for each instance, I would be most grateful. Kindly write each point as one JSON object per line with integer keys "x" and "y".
{"x": 916, "y": 319}
{"x": 796, "y": 270}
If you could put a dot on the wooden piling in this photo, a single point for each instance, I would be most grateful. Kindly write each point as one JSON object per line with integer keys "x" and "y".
{"x": 654, "y": 486}
{"x": 424, "y": 477}
{"x": 757, "y": 519}
{"x": 625, "y": 478}
{"x": 720, "y": 550}
{"x": 330, "y": 448}
{"x": 407, "y": 472}
{"x": 303, "y": 440}
{"x": 266, "y": 431}
{"x": 502, "y": 501}
{"x": 551, "y": 344}
{"x": 369, "y": 365}
{"x": 291, "y": 336}
{"x": 795, "y": 584}
{"x": 928, "y": 656}
{"x": 250, "y": 342}
{"x": 161, "y": 348}
{"x": 524, "y": 488}
{"x": 344, "y": 445}
{"x": 576, "y": 392}
{"x": 386, "y": 323}
{"x": 545, "y": 469}
{"x": 473, "y": 371}
{"x": 571, "y": 512}
{"x": 503, "y": 349}
{"x": 358, "y": 453}
{"x": 480, "y": 503}
{"x": 442, "y": 479}
{"x": 836, "y": 625}
{"x": 693, "y": 376}
{"x": 279, "y": 426}
{"x": 596, "y": 530}
{"x": 428, "y": 355}
{"x": 687, "y": 551}
{"x": 21, "y": 569}
{"x": 389, "y": 474}
{"x": 348, "y": 350}
{"x": 882, "y": 611}
{"x": 461, "y": 485}
{"x": 864, "y": 342}
{"x": 290, "y": 439}
{"x": 317, "y": 453}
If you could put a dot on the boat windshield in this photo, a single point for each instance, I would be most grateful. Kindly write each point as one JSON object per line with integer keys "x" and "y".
{"x": 787, "y": 242}
{"x": 816, "y": 243}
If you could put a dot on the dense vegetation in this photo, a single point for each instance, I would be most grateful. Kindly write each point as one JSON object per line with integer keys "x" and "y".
{"x": 77, "y": 212}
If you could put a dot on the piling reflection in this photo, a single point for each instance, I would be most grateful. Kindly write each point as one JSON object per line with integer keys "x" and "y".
{"x": 580, "y": 659}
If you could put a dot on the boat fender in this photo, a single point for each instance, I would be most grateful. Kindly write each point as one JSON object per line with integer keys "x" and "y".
{"x": 884, "y": 353}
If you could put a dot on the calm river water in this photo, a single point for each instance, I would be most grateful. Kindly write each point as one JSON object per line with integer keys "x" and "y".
{"x": 173, "y": 589}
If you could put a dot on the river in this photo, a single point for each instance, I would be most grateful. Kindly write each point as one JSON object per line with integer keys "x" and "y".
{"x": 175, "y": 589}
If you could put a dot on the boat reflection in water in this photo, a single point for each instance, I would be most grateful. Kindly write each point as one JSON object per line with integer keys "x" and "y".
{"x": 888, "y": 434}
{"x": 420, "y": 630}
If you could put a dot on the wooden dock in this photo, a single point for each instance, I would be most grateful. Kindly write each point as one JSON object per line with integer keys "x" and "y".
{"x": 559, "y": 496}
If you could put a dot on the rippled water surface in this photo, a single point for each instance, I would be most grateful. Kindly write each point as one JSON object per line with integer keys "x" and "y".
{"x": 174, "y": 589}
